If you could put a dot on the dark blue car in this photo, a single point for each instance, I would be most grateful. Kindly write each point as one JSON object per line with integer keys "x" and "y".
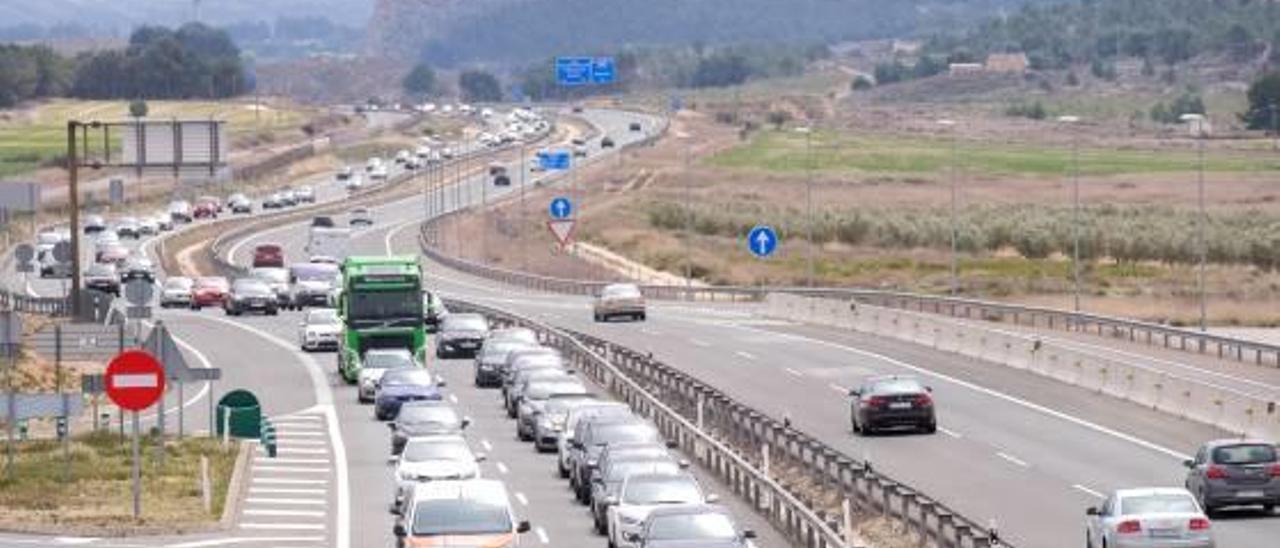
{"x": 402, "y": 385}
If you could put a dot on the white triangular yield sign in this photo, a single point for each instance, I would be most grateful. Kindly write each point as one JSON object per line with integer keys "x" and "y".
{"x": 562, "y": 229}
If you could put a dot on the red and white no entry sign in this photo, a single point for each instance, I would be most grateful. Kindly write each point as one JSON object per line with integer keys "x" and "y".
{"x": 134, "y": 379}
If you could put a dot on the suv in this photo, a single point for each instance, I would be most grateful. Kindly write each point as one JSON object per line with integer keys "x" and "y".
{"x": 891, "y": 401}
{"x": 180, "y": 211}
{"x": 1235, "y": 472}
{"x": 102, "y": 277}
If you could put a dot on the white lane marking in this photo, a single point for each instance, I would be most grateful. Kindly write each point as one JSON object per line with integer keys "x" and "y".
{"x": 523, "y": 500}
{"x": 303, "y": 502}
{"x": 282, "y": 481}
{"x": 72, "y": 541}
{"x": 697, "y": 342}
{"x": 276, "y": 491}
{"x": 289, "y": 513}
{"x": 1088, "y": 491}
{"x": 542, "y": 535}
{"x": 745, "y": 355}
{"x": 1013, "y": 459}
{"x": 502, "y": 468}
{"x": 278, "y": 460}
{"x": 838, "y": 388}
{"x": 31, "y": 292}
{"x": 284, "y": 526}
{"x": 983, "y": 390}
{"x": 396, "y": 230}
{"x": 292, "y": 469}
{"x": 487, "y": 446}
{"x": 951, "y": 433}
{"x": 281, "y": 443}
{"x": 246, "y": 540}
{"x": 297, "y": 451}
{"x": 280, "y": 434}
{"x": 793, "y": 372}
{"x": 453, "y": 398}
{"x": 324, "y": 401}
{"x": 295, "y": 426}
{"x": 297, "y": 417}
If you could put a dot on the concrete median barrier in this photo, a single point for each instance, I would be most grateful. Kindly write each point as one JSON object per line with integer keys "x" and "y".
{"x": 1180, "y": 396}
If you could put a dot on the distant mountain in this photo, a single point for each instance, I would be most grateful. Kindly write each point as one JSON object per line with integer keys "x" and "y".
{"x": 119, "y": 16}
{"x": 448, "y": 32}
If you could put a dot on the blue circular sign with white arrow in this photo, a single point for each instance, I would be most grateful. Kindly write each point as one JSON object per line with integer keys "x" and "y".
{"x": 561, "y": 208}
{"x": 762, "y": 241}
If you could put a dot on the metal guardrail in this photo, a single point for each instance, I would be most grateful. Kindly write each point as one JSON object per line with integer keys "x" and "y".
{"x": 1152, "y": 334}
{"x": 807, "y": 482}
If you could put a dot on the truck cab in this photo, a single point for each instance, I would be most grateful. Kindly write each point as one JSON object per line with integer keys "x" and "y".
{"x": 381, "y": 307}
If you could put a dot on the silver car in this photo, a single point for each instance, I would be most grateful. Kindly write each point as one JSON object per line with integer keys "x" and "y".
{"x": 1235, "y": 473}
{"x": 1149, "y": 517}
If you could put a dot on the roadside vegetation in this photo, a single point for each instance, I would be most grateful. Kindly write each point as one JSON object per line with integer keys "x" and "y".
{"x": 98, "y": 494}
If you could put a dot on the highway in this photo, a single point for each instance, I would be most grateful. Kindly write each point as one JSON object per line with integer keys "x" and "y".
{"x": 1023, "y": 451}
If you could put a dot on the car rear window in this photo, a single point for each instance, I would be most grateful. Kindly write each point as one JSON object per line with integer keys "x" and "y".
{"x": 1250, "y": 453}
{"x": 1158, "y": 504}
{"x": 897, "y": 386}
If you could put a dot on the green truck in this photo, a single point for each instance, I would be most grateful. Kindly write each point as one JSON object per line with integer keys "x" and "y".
{"x": 380, "y": 307}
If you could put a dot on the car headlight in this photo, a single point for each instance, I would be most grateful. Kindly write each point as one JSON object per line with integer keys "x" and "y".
{"x": 628, "y": 519}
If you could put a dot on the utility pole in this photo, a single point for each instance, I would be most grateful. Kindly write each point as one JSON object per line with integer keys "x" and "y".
{"x": 955, "y": 160}
{"x": 1075, "y": 207}
{"x": 524, "y": 212}
{"x": 1197, "y": 124}
{"x": 808, "y": 200}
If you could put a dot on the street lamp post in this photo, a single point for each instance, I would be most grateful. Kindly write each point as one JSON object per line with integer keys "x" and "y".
{"x": 808, "y": 198}
{"x": 955, "y": 159}
{"x": 1075, "y": 207}
{"x": 1197, "y": 123}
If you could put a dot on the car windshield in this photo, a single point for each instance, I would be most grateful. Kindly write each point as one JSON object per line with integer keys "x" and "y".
{"x": 322, "y": 316}
{"x": 388, "y": 360}
{"x": 622, "y": 291}
{"x": 465, "y": 322}
{"x": 101, "y": 270}
{"x": 1158, "y": 504}
{"x": 314, "y": 272}
{"x": 619, "y": 433}
{"x": 255, "y": 288}
{"x": 271, "y": 275}
{"x": 516, "y": 334}
{"x": 1251, "y": 453}
{"x": 218, "y": 283}
{"x": 418, "y": 451}
{"x": 619, "y": 471}
{"x": 427, "y": 414}
{"x": 705, "y": 526}
{"x": 178, "y": 283}
{"x": 661, "y": 490}
{"x": 499, "y": 350}
{"x": 561, "y": 406}
{"x": 407, "y": 377}
{"x": 460, "y": 516}
{"x": 542, "y": 391}
{"x": 897, "y": 386}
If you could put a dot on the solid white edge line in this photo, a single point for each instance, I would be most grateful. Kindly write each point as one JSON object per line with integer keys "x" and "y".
{"x": 324, "y": 401}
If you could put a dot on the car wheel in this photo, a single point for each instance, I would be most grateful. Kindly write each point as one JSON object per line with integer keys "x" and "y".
{"x": 601, "y": 527}
{"x": 1268, "y": 509}
{"x": 564, "y": 472}
{"x": 642, "y": 316}
{"x": 1088, "y": 539}
{"x": 853, "y": 424}
{"x": 930, "y": 427}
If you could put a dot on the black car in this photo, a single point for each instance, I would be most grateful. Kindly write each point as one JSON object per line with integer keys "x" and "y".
{"x": 323, "y": 222}
{"x": 635, "y": 126}
{"x": 250, "y": 295}
{"x": 606, "y": 142}
{"x": 424, "y": 418}
{"x": 891, "y": 402}
{"x": 502, "y": 180}
{"x": 461, "y": 335}
{"x": 94, "y": 224}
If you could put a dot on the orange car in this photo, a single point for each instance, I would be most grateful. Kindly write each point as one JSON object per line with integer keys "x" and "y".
{"x": 475, "y": 512}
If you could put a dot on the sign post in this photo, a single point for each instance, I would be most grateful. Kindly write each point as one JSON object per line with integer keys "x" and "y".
{"x": 135, "y": 381}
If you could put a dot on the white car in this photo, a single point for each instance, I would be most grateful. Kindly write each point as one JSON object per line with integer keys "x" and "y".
{"x": 434, "y": 458}
{"x": 377, "y": 362}
{"x": 1155, "y": 517}
{"x": 319, "y": 330}
{"x": 356, "y": 182}
{"x": 378, "y": 173}
{"x": 176, "y": 292}
{"x": 640, "y": 494}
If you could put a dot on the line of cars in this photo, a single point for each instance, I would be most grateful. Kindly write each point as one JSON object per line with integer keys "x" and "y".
{"x": 638, "y": 492}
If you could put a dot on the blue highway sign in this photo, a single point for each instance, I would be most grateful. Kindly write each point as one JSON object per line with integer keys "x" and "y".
{"x": 574, "y": 71}
{"x": 762, "y": 241}
{"x": 554, "y": 160}
{"x": 561, "y": 208}
{"x": 602, "y": 71}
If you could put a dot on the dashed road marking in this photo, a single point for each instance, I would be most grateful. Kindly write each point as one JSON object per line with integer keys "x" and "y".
{"x": 838, "y": 388}
{"x": 523, "y": 500}
{"x": 1013, "y": 459}
{"x": 1088, "y": 491}
{"x": 745, "y": 355}
{"x": 542, "y": 535}
{"x": 487, "y": 446}
{"x": 951, "y": 433}
{"x": 453, "y": 398}
{"x": 502, "y": 468}
{"x": 793, "y": 372}
{"x": 699, "y": 342}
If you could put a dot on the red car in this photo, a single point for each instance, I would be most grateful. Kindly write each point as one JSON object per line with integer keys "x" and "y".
{"x": 209, "y": 291}
{"x": 206, "y": 209}
{"x": 269, "y": 255}
{"x": 112, "y": 253}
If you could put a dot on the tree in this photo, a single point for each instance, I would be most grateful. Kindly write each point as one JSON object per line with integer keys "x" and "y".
{"x": 720, "y": 70}
{"x": 479, "y": 86}
{"x": 138, "y": 108}
{"x": 421, "y": 80}
{"x": 778, "y": 118}
{"x": 1264, "y": 97}
{"x": 888, "y": 73}
{"x": 861, "y": 82}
